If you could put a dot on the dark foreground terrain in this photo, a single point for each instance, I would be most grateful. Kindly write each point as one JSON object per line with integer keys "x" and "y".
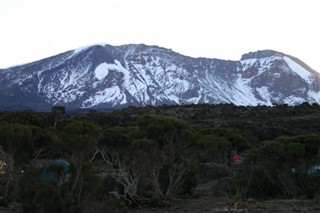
{"x": 210, "y": 204}
{"x": 195, "y": 158}
{"x": 218, "y": 205}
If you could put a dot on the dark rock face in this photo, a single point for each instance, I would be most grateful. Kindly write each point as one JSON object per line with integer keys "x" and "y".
{"x": 259, "y": 54}
{"x": 139, "y": 75}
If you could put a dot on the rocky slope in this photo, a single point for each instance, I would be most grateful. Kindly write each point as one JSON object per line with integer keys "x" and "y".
{"x": 105, "y": 76}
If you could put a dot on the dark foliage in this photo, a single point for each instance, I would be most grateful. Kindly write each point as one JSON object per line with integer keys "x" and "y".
{"x": 139, "y": 156}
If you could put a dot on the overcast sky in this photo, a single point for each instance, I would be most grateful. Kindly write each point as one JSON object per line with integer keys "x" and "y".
{"x": 224, "y": 29}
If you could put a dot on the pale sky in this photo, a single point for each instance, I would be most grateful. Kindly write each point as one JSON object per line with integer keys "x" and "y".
{"x": 34, "y": 29}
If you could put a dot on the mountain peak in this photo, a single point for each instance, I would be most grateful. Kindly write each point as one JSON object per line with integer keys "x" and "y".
{"x": 105, "y": 76}
{"x": 81, "y": 49}
{"x": 260, "y": 54}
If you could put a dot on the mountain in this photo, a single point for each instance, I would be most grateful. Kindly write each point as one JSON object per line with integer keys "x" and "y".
{"x": 105, "y": 76}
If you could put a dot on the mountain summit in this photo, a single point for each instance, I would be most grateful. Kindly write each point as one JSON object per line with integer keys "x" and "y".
{"x": 105, "y": 76}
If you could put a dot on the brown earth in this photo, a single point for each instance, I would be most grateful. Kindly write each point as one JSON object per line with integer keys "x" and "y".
{"x": 221, "y": 205}
{"x": 203, "y": 202}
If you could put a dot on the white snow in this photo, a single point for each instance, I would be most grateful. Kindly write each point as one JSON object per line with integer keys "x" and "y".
{"x": 248, "y": 62}
{"x": 264, "y": 63}
{"x": 130, "y": 51}
{"x": 293, "y": 100}
{"x": 108, "y": 95}
{"x": 162, "y": 79}
{"x": 242, "y": 94}
{"x": 80, "y": 49}
{"x": 315, "y": 96}
{"x": 264, "y": 94}
{"x": 102, "y": 70}
{"x": 181, "y": 86}
{"x": 118, "y": 66}
{"x": 298, "y": 69}
{"x": 277, "y": 75}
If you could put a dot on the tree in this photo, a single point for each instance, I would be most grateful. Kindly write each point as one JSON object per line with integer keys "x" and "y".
{"x": 174, "y": 140}
{"x": 118, "y": 153}
{"x": 24, "y": 118}
{"x": 214, "y": 149}
{"x": 282, "y": 163}
{"x": 146, "y": 159}
{"x": 16, "y": 140}
{"x": 79, "y": 140}
{"x": 39, "y": 196}
{"x": 8, "y": 180}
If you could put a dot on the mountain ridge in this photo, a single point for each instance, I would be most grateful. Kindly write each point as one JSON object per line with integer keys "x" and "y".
{"x": 105, "y": 76}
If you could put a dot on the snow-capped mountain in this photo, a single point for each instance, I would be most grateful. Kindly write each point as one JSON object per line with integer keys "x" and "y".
{"x": 137, "y": 75}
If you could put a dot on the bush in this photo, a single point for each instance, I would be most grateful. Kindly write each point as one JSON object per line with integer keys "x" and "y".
{"x": 278, "y": 168}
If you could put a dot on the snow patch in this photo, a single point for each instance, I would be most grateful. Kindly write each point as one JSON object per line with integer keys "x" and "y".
{"x": 102, "y": 70}
{"x": 248, "y": 62}
{"x": 293, "y": 100}
{"x": 81, "y": 49}
{"x": 315, "y": 96}
{"x": 243, "y": 94}
{"x": 298, "y": 69}
{"x": 112, "y": 95}
{"x": 261, "y": 64}
{"x": 277, "y": 75}
{"x": 265, "y": 95}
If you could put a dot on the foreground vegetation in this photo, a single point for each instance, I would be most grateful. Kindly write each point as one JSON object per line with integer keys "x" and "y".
{"x": 137, "y": 157}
